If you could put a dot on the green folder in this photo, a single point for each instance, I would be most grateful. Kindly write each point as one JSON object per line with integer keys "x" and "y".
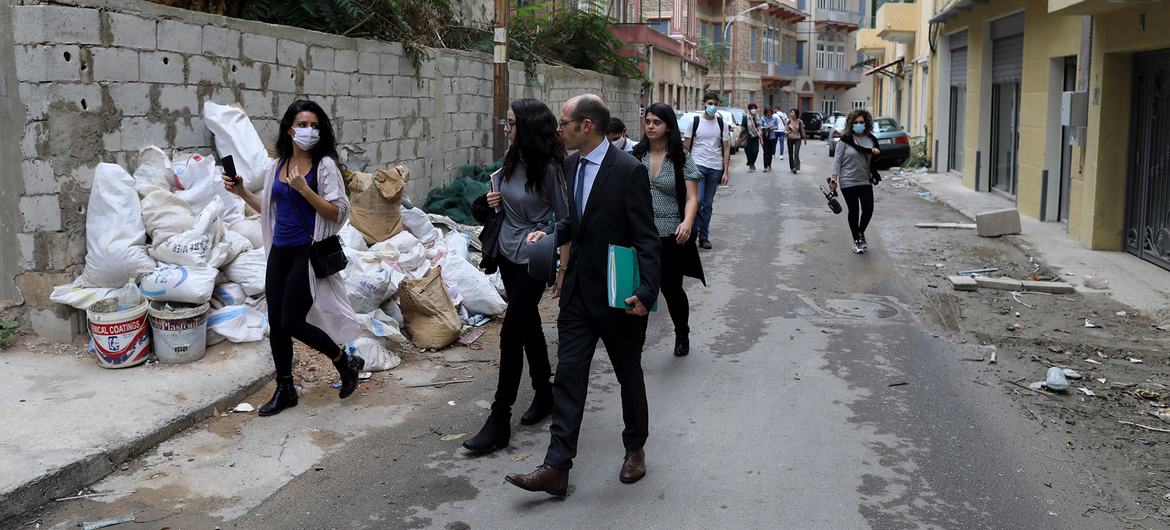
{"x": 622, "y": 277}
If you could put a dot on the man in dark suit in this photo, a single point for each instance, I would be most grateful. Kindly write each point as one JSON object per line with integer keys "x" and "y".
{"x": 609, "y": 199}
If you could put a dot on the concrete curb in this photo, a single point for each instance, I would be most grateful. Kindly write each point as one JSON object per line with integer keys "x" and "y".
{"x": 91, "y": 468}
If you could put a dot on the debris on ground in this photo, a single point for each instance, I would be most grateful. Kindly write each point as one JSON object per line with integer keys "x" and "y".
{"x": 1093, "y": 281}
{"x": 954, "y": 226}
{"x": 95, "y": 525}
{"x": 244, "y": 407}
{"x": 998, "y": 223}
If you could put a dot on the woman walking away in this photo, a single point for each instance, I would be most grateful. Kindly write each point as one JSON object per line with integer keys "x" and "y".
{"x": 532, "y": 198}
{"x": 768, "y": 134}
{"x": 749, "y": 137}
{"x": 303, "y": 203}
{"x": 795, "y": 133}
{"x": 852, "y": 173}
{"x": 674, "y": 192}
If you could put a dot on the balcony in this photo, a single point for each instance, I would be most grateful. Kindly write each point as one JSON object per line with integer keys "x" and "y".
{"x": 778, "y": 75}
{"x": 869, "y": 43}
{"x": 1085, "y": 7}
{"x": 898, "y": 22}
{"x": 833, "y": 20}
{"x": 836, "y": 79}
{"x": 642, "y": 34}
{"x": 786, "y": 10}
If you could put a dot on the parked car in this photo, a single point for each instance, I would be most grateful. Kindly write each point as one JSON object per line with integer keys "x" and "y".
{"x": 687, "y": 120}
{"x": 827, "y": 126}
{"x": 893, "y": 142}
{"x": 737, "y": 115}
{"x": 812, "y": 123}
{"x": 837, "y": 129}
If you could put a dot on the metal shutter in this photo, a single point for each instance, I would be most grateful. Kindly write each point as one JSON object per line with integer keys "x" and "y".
{"x": 959, "y": 67}
{"x": 1007, "y": 59}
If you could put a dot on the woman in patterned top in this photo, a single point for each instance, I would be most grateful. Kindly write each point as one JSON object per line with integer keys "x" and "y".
{"x": 674, "y": 190}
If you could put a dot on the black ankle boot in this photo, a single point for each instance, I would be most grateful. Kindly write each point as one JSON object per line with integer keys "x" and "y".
{"x": 284, "y": 397}
{"x": 682, "y": 344}
{"x": 494, "y": 435}
{"x": 541, "y": 407}
{"x": 348, "y": 368}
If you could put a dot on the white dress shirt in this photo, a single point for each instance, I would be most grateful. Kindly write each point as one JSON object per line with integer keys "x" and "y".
{"x": 595, "y": 158}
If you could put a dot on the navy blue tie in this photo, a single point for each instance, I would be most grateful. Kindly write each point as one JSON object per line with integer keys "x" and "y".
{"x": 581, "y": 187}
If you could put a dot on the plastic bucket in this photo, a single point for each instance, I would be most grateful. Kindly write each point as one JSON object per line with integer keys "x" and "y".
{"x": 180, "y": 331}
{"x": 120, "y": 337}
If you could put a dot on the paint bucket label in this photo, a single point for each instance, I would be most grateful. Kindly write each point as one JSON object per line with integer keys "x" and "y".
{"x": 121, "y": 344}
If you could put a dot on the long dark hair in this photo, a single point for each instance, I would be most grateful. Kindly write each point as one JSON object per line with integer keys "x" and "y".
{"x": 674, "y": 144}
{"x": 326, "y": 142}
{"x": 537, "y": 143}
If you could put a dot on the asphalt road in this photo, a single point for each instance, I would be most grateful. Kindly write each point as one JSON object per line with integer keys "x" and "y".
{"x": 814, "y": 397}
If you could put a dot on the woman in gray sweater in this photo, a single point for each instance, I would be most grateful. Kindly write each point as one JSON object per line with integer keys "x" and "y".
{"x": 851, "y": 172}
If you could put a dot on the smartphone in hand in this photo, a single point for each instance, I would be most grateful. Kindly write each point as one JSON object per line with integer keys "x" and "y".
{"x": 229, "y": 169}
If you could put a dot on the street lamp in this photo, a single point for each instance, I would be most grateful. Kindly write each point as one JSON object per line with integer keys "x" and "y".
{"x": 726, "y": 28}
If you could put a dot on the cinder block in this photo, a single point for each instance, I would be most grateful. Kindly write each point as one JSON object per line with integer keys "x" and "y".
{"x": 314, "y": 82}
{"x": 202, "y": 69}
{"x": 260, "y": 48}
{"x": 282, "y": 79}
{"x": 369, "y": 63}
{"x": 33, "y": 140}
{"x": 406, "y": 149}
{"x": 345, "y": 61}
{"x": 1006, "y": 284}
{"x": 112, "y": 141}
{"x": 223, "y": 42}
{"x": 178, "y": 98}
{"x": 963, "y": 283}
{"x": 139, "y": 132}
{"x": 362, "y": 86}
{"x": 998, "y": 223}
{"x": 290, "y": 52}
{"x": 256, "y": 102}
{"x": 193, "y": 135}
{"x": 347, "y": 107}
{"x": 1049, "y": 287}
{"x": 246, "y": 75}
{"x": 32, "y": 24}
{"x": 337, "y": 83}
{"x": 382, "y": 86}
{"x": 114, "y": 64}
{"x": 133, "y": 99}
{"x": 129, "y": 31}
{"x": 369, "y": 108}
{"x": 38, "y": 177}
{"x": 48, "y": 325}
{"x": 161, "y": 67}
{"x": 321, "y": 58}
{"x": 28, "y": 259}
{"x": 390, "y": 64}
{"x": 41, "y": 213}
{"x": 403, "y": 87}
{"x": 37, "y": 63}
{"x": 179, "y": 37}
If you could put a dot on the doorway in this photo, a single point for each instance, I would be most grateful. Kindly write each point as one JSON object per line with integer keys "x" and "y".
{"x": 1070, "y": 84}
{"x": 955, "y": 136}
{"x": 1147, "y": 226}
{"x": 1005, "y": 118}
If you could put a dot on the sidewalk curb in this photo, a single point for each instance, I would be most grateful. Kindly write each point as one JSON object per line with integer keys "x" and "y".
{"x": 69, "y": 479}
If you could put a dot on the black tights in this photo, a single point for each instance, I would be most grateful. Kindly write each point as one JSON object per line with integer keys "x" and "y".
{"x": 671, "y": 285}
{"x": 794, "y": 154}
{"x": 286, "y": 284}
{"x": 769, "y": 152}
{"x": 859, "y": 199}
{"x": 522, "y": 335}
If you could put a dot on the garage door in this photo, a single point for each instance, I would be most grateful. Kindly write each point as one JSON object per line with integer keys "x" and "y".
{"x": 958, "y": 44}
{"x": 1007, "y": 59}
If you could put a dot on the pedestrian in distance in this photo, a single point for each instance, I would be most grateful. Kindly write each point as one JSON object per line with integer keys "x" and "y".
{"x": 618, "y": 136}
{"x": 749, "y": 136}
{"x": 796, "y": 136}
{"x": 781, "y": 118}
{"x": 609, "y": 205}
{"x": 303, "y": 203}
{"x": 674, "y": 192}
{"x": 530, "y": 194}
{"x": 708, "y": 140}
{"x": 768, "y": 135}
{"x": 853, "y": 174}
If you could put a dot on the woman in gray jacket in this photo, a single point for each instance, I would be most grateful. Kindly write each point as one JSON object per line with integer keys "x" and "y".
{"x": 851, "y": 172}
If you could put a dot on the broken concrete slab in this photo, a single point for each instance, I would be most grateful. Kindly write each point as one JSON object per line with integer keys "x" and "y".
{"x": 1048, "y": 287}
{"x": 963, "y": 283}
{"x": 1006, "y": 284}
{"x": 998, "y": 223}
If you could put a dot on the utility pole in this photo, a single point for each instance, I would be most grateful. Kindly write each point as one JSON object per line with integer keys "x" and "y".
{"x": 500, "y": 80}
{"x": 722, "y": 57}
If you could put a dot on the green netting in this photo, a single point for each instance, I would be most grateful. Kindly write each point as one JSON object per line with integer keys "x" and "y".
{"x": 454, "y": 200}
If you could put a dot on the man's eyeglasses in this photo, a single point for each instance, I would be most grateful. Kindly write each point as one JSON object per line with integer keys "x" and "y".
{"x": 566, "y": 123}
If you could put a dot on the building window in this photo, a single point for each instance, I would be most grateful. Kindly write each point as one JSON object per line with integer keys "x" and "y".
{"x": 840, "y": 57}
{"x": 800, "y": 46}
{"x": 859, "y": 104}
{"x": 755, "y": 45}
{"x": 662, "y": 26}
{"x": 820, "y": 56}
{"x": 829, "y": 105}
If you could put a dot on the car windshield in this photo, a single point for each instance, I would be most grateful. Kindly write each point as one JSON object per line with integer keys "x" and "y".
{"x": 885, "y": 125}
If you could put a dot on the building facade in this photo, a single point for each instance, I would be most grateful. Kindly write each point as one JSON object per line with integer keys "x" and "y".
{"x": 832, "y": 80}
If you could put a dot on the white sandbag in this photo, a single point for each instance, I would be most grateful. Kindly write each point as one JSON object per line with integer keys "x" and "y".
{"x": 230, "y": 293}
{"x": 456, "y": 242}
{"x": 189, "y": 284}
{"x": 196, "y": 180}
{"x": 250, "y": 228}
{"x": 367, "y": 280}
{"x": 380, "y": 325}
{"x": 393, "y": 311}
{"x": 196, "y": 246}
{"x": 115, "y": 237}
{"x": 498, "y": 283}
{"x": 418, "y": 223}
{"x": 164, "y": 214}
{"x": 411, "y": 254}
{"x": 352, "y": 238}
{"x": 374, "y": 353}
{"x": 233, "y": 205}
{"x": 229, "y": 248}
{"x": 236, "y": 136}
{"x": 237, "y": 323}
{"x": 154, "y": 167}
{"x": 248, "y": 271}
{"x": 479, "y": 295}
{"x": 81, "y": 297}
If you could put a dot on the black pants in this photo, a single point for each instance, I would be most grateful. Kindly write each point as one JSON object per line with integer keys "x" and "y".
{"x": 671, "y": 285}
{"x": 286, "y": 286}
{"x": 521, "y": 336}
{"x": 794, "y": 153}
{"x": 623, "y": 336}
{"x": 859, "y": 200}
{"x": 769, "y": 152}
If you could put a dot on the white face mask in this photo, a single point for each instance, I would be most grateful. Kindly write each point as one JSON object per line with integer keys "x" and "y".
{"x": 305, "y": 137}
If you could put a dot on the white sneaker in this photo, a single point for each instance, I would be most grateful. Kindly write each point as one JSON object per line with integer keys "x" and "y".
{"x": 864, "y": 245}
{"x": 858, "y": 247}
{"x": 781, "y": 157}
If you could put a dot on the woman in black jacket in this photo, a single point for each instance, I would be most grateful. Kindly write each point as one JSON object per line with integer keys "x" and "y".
{"x": 674, "y": 191}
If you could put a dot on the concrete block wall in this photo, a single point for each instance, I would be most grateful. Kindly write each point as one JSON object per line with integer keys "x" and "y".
{"x": 98, "y": 80}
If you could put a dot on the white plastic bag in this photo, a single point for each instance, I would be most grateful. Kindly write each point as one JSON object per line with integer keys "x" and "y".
{"x": 374, "y": 352}
{"x": 229, "y": 248}
{"x": 380, "y": 325}
{"x": 196, "y": 180}
{"x": 192, "y": 285}
{"x": 419, "y": 224}
{"x": 456, "y": 242}
{"x": 233, "y": 205}
{"x": 81, "y": 297}
{"x": 237, "y": 323}
{"x": 115, "y": 237}
{"x": 393, "y": 311}
{"x": 164, "y": 214}
{"x": 230, "y": 293}
{"x": 248, "y": 270}
{"x": 250, "y": 228}
{"x": 352, "y": 238}
{"x": 236, "y": 136}
{"x": 195, "y": 246}
{"x": 411, "y": 255}
{"x": 367, "y": 280}
{"x": 154, "y": 167}
{"x": 479, "y": 295}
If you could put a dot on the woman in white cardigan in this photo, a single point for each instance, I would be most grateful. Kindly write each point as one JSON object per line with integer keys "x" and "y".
{"x": 303, "y": 201}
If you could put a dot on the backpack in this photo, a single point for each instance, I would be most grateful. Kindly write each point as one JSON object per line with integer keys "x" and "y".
{"x": 695, "y": 130}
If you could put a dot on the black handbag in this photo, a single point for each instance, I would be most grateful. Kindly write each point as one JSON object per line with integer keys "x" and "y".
{"x": 325, "y": 255}
{"x": 874, "y": 176}
{"x": 489, "y": 237}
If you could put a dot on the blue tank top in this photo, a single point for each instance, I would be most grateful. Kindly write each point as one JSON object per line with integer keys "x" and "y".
{"x": 295, "y": 217}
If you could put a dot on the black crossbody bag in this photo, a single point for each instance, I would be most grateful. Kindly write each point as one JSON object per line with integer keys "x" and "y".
{"x": 874, "y": 176}
{"x": 326, "y": 255}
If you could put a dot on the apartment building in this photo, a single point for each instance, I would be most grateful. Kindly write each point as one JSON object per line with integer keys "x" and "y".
{"x": 762, "y": 53}
{"x": 832, "y": 80}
